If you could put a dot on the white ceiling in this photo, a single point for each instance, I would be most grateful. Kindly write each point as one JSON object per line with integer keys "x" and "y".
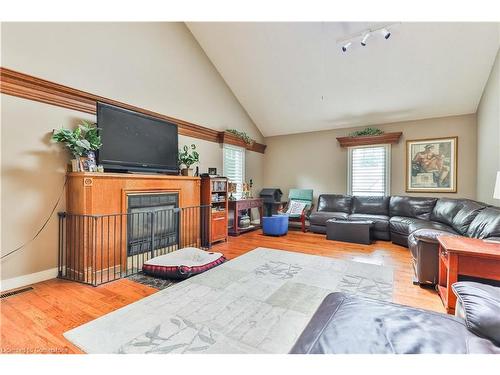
{"x": 293, "y": 78}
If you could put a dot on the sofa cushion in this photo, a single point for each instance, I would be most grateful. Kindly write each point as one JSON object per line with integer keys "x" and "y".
{"x": 401, "y": 224}
{"x": 463, "y": 218}
{"x": 445, "y": 210}
{"x": 485, "y": 224}
{"x": 335, "y": 203}
{"x": 434, "y": 225}
{"x": 481, "y": 307}
{"x": 381, "y": 222}
{"x": 370, "y": 205}
{"x": 417, "y": 207}
{"x": 320, "y": 218}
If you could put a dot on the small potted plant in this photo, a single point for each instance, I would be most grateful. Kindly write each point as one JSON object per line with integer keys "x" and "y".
{"x": 82, "y": 141}
{"x": 366, "y": 132}
{"x": 187, "y": 157}
{"x": 242, "y": 135}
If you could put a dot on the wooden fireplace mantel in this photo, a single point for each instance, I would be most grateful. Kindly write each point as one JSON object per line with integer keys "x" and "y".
{"x": 98, "y": 247}
{"x": 106, "y": 193}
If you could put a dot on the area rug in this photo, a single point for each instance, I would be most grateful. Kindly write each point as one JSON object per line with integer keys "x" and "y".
{"x": 151, "y": 281}
{"x": 257, "y": 303}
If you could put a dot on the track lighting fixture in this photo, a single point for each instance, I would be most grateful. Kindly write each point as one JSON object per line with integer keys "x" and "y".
{"x": 352, "y": 41}
{"x": 365, "y": 38}
{"x": 346, "y": 46}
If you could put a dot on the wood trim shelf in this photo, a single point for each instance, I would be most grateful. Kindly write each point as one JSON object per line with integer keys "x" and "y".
{"x": 369, "y": 139}
{"x": 37, "y": 89}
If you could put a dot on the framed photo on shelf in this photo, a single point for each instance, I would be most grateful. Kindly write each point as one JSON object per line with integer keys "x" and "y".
{"x": 431, "y": 165}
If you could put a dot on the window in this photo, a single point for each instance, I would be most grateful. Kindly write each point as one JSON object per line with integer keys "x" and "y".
{"x": 234, "y": 166}
{"x": 369, "y": 170}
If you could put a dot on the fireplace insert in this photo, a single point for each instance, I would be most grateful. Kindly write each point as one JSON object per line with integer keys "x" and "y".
{"x": 152, "y": 222}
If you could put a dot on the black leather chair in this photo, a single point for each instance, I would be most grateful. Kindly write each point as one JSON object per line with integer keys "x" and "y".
{"x": 415, "y": 222}
{"x": 345, "y": 324}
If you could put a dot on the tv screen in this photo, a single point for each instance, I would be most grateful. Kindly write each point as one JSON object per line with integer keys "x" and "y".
{"x": 132, "y": 141}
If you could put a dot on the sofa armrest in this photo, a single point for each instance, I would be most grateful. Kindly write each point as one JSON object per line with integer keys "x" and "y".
{"x": 309, "y": 211}
{"x": 429, "y": 235}
{"x": 480, "y": 305}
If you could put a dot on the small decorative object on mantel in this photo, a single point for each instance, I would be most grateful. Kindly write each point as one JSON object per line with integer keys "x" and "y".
{"x": 187, "y": 157}
{"x": 81, "y": 143}
{"x": 368, "y": 136}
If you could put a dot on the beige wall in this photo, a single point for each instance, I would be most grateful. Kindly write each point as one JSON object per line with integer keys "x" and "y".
{"x": 488, "y": 136}
{"x": 315, "y": 160}
{"x": 157, "y": 66}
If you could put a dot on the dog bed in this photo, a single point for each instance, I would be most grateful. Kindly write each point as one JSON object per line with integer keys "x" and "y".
{"x": 182, "y": 263}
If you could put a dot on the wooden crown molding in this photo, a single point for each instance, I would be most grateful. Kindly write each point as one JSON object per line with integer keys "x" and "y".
{"x": 40, "y": 90}
{"x": 369, "y": 139}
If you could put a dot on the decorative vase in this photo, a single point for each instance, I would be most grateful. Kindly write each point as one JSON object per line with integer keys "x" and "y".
{"x": 187, "y": 172}
{"x": 244, "y": 221}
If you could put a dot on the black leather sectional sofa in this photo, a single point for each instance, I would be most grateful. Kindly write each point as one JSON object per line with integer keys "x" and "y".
{"x": 414, "y": 222}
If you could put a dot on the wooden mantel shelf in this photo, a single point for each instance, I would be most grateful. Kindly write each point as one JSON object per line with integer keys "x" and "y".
{"x": 369, "y": 139}
{"x": 37, "y": 89}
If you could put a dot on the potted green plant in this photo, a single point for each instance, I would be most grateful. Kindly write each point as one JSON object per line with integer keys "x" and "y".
{"x": 82, "y": 141}
{"x": 187, "y": 157}
{"x": 366, "y": 132}
{"x": 242, "y": 135}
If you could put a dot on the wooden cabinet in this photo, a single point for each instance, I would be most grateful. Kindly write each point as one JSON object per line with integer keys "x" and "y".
{"x": 214, "y": 193}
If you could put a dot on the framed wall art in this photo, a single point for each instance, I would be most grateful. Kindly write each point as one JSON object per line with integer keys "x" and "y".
{"x": 431, "y": 165}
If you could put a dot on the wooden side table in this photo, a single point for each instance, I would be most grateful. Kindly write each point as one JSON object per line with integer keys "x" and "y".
{"x": 464, "y": 256}
{"x": 244, "y": 204}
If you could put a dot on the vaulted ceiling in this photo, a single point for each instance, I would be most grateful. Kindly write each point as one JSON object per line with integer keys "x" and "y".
{"x": 293, "y": 77}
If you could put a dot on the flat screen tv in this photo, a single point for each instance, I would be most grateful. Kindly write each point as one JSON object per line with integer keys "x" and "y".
{"x": 132, "y": 141}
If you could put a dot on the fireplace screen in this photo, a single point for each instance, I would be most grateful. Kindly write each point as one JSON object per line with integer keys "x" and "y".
{"x": 153, "y": 221}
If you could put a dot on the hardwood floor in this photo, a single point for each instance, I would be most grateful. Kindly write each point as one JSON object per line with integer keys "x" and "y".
{"x": 34, "y": 321}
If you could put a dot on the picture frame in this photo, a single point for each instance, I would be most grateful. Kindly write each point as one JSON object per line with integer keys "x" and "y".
{"x": 212, "y": 171}
{"x": 431, "y": 165}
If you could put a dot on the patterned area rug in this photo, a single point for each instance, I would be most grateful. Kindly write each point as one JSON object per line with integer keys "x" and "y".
{"x": 257, "y": 303}
{"x": 153, "y": 282}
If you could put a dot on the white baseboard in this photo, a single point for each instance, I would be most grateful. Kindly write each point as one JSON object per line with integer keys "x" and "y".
{"x": 20, "y": 281}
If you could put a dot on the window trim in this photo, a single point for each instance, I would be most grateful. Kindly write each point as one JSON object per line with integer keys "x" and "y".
{"x": 388, "y": 159}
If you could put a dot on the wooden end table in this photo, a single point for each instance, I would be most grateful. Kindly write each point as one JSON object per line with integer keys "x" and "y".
{"x": 465, "y": 256}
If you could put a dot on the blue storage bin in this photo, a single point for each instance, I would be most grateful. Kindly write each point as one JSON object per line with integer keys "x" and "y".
{"x": 276, "y": 225}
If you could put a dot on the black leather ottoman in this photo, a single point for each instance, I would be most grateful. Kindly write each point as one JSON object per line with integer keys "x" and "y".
{"x": 349, "y": 231}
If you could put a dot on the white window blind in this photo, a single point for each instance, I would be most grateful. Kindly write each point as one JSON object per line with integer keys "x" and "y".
{"x": 368, "y": 170}
{"x": 234, "y": 166}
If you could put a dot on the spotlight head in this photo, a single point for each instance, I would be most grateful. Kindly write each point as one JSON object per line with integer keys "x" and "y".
{"x": 365, "y": 38}
{"x": 346, "y": 46}
{"x": 386, "y": 33}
